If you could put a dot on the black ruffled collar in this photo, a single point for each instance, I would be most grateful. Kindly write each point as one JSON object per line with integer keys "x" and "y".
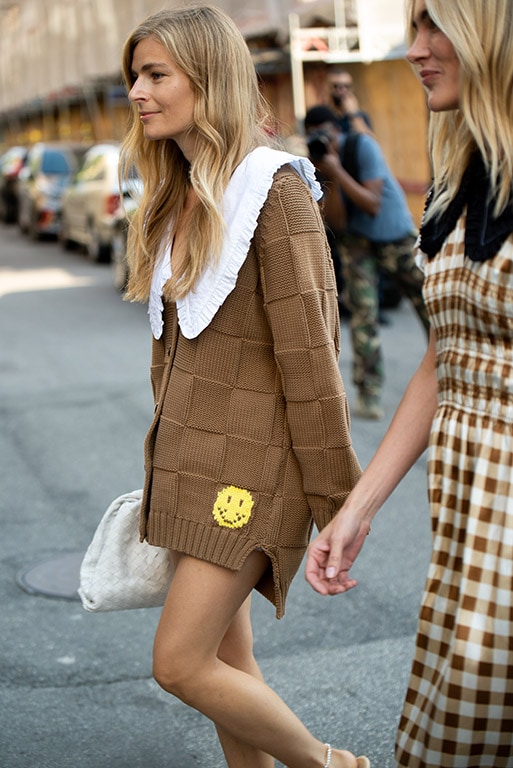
{"x": 484, "y": 233}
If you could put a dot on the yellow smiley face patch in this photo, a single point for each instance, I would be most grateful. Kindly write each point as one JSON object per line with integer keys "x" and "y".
{"x": 232, "y": 507}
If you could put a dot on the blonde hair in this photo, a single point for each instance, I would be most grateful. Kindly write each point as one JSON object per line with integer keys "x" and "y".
{"x": 230, "y": 118}
{"x": 481, "y": 32}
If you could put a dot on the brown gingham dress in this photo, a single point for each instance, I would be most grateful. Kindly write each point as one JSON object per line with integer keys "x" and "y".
{"x": 459, "y": 706}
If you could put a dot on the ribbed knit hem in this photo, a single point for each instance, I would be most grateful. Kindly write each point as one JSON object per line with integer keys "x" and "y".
{"x": 221, "y": 547}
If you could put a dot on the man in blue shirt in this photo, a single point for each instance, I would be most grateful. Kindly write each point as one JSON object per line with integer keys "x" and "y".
{"x": 367, "y": 210}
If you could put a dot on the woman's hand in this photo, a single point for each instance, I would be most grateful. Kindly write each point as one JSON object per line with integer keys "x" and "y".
{"x": 333, "y": 552}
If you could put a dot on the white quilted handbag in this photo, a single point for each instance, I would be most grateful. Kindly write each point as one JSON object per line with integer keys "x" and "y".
{"x": 118, "y": 570}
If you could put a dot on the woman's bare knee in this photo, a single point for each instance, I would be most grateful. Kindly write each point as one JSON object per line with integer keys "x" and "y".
{"x": 176, "y": 674}
{"x": 179, "y": 667}
{"x": 196, "y": 634}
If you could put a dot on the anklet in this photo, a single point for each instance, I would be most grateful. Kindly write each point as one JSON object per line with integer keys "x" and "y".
{"x": 328, "y": 756}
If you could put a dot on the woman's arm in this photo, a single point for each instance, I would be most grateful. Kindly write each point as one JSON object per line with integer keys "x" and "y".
{"x": 300, "y": 302}
{"x": 334, "y": 550}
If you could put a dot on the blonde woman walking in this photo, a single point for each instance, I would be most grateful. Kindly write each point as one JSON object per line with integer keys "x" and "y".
{"x": 458, "y": 711}
{"x": 250, "y": 442}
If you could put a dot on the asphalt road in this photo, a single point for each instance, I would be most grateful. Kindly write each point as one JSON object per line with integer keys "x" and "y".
{"x": 76, "y": 689}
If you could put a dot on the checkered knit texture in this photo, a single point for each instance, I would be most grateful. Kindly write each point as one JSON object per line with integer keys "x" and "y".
{"x": 251, "y": 438}
{"x": 459, "y": 707}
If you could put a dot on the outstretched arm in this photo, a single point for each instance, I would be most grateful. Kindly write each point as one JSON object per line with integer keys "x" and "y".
{"x": 332, "y": 553}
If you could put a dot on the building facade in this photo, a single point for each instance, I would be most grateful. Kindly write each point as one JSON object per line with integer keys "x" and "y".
{"x": 60, "y": 69}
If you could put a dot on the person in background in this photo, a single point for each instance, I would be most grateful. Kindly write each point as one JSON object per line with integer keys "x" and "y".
{"x": 367, "y": 211}
{"x": 351, "y": 119}
{"x": 228, "y": 248}
{"x": 458, "y": 711}
{"x": 344, "y": 103}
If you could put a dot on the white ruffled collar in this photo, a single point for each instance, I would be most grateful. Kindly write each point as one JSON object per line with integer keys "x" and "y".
{"x": 243, "y": 200}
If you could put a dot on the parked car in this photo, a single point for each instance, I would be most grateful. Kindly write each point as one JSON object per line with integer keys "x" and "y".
{"x": 91, "y": 203}
{"x": 11, "y": 163}
{"x": 48, "y": 171}
{"x": 127, "y": 207}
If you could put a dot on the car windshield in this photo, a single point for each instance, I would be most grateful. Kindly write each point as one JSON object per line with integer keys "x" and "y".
{"x": 55, "y": 162}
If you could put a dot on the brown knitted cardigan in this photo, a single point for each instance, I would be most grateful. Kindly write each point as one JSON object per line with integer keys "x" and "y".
{"x": 250, "y": 441}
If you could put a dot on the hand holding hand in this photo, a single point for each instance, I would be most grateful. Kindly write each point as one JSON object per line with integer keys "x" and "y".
{"x": 333, "y": 552}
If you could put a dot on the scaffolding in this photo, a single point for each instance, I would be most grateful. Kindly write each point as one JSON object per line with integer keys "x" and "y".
{"x": 58, "y": 53}
{"x": 363, "y": 31}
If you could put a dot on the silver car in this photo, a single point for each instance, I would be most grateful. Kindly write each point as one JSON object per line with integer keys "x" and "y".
{"x": 90, "y": 204}
{"x": 49, "y": 169}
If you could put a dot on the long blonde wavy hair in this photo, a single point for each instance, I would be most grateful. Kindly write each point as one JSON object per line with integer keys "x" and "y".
{"x": 231, "y": 118}
{"x": 481, "y": 32}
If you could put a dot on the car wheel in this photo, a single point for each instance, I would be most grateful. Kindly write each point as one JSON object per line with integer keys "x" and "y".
{"x": 7, "y": 211}
{"x": 96, "y": 250}
{"x": 10, "y": 214}
{"x": 33, "y": 230}
{"x": 22, "y": 222}
{"x": 118, "y": 259}
{"x": 64, "y": 237}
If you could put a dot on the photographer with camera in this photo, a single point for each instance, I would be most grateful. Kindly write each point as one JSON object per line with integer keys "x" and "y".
{"x": 344, "y": 103}
{"x": 366, "y": 209}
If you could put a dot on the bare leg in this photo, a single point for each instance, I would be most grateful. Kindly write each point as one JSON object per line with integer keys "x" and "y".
{"x": 236, "y": 649}
{"x": 202, "y": 603}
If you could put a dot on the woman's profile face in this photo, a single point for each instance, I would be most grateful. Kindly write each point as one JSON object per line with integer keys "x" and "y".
{"x": 163, "y": 95}
{"x": 433, "y": 56}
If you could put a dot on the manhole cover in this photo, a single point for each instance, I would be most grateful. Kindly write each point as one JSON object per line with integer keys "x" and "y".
{"x": 56, "y": 577}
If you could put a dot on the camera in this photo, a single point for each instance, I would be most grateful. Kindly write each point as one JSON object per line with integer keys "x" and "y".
{"x": 318, "y": 143}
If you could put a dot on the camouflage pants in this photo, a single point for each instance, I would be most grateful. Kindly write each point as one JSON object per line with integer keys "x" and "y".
{"x": 361, "y": 261}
